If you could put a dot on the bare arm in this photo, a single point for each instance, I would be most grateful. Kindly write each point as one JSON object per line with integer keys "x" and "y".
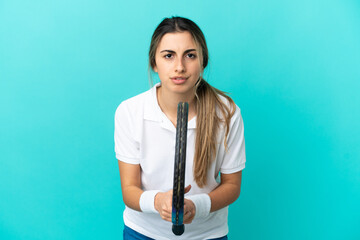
{"x": 131, "y": 192}
{"x": 130, "y": 184}
{"x": 227, "y": 192}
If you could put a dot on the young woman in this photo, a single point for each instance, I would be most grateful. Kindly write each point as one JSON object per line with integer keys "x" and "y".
{"x": 145, "y": 128}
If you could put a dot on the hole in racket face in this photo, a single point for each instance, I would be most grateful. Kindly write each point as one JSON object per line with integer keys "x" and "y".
{"x": 179, "y": 169}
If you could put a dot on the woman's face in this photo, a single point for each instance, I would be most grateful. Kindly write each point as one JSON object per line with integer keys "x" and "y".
{"x": 177, "y": 63}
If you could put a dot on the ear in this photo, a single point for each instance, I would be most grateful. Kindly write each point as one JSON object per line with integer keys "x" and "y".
{"x": 155, "y": 69}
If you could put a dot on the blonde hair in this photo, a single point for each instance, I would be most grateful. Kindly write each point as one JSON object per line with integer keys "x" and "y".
{"x": 208, "y": 103}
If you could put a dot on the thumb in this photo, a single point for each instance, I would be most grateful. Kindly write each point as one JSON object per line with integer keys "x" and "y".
{"x": 187, "y": 189}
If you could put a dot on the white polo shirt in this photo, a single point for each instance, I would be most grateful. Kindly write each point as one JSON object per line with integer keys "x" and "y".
{"x": 144, "y": 135}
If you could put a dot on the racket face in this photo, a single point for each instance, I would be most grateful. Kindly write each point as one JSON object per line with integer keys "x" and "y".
{"x": 179, "y": 165}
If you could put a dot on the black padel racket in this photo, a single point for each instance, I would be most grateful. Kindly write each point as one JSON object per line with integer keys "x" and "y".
{"x": 179, "y": 169}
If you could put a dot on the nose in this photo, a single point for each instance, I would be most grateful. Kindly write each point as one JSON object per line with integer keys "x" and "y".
{"x": 180, "y": 67}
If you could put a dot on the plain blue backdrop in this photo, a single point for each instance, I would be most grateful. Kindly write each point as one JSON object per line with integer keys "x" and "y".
{"x": 293, "y": 67}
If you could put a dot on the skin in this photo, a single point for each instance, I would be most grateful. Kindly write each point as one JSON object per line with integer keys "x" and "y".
{"x": 176, "y": 55}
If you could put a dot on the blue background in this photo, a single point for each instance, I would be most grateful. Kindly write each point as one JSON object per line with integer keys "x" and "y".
{"x": 293, "y": 67}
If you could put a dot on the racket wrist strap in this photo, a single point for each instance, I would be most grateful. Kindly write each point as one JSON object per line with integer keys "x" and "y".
{"x": 202, "y": 204}
{"x": 147, "y": 200}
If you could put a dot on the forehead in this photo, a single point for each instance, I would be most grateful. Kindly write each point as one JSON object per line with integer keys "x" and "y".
{"x": 177, "y": 41}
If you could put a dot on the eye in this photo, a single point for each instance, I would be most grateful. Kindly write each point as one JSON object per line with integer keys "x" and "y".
{"x": 169, "y": 55}
{"x": 191, "y": 55}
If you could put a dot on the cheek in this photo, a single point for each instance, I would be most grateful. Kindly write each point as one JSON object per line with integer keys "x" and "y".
{"x": 196, "y": 68}
{"x": 157, "y": 67}
{"x": 163, "y": 67}
{"x": 160, "y": 70}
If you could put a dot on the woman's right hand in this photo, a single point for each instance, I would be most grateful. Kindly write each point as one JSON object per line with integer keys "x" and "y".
{"x": 163, "y": 203}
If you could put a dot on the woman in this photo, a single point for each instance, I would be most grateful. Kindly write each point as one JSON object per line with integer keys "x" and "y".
{"x": 145, "y": 128}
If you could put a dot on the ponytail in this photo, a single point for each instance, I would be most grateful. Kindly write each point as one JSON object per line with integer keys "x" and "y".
{"x": 208, "y": 122}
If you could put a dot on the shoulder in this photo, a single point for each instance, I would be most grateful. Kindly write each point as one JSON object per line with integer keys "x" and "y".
{"x": 136, "y": 101}
{"x": 133, "y": 106}
{"x": 228, "y": 102}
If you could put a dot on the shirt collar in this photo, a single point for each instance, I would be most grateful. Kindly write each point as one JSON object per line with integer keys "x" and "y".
{"x": 151, "y": 106}
{"x": 152, "y": 110}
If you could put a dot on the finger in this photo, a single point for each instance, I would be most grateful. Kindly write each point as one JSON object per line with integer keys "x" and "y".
{"x": 187, "y": 189}
{"x": 186, "y": 208}
{"x": 188, "y": 205}
{"x": 188, "y": 221}
{"x": 166, "y": 210}
{"x": 169, "y": 206}
{"x": 188, "y": 217}
{"x": 166, "y": 216}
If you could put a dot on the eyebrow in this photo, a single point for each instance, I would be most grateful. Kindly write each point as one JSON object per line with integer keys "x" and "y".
{"x": 171, "y": 51}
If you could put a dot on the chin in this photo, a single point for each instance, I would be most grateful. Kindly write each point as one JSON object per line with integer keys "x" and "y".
{"x": 182, "y": 89}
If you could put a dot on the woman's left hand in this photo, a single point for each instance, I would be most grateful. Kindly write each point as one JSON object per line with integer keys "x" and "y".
{"x": 189, "y": 211}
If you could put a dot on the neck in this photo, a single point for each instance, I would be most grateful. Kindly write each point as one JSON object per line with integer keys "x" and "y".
{"x": 168, "y": 103}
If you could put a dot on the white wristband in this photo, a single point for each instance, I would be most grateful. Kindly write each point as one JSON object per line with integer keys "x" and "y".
{"x": 202, "y": 204}
{"x": 146, "y": 201}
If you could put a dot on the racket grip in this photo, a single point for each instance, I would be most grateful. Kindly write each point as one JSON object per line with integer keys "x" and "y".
{"x": 179, "y": 169}
{"x": 178, "y": 229}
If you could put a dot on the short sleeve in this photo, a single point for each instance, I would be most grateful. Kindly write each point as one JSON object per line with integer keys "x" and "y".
{"x": 234, "y": 158}
{"x": 126, "y": 147}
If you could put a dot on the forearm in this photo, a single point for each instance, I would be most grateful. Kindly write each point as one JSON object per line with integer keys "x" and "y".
{"x": 224, "y": 195}
{"x": 227, "y": 192}
{"x": 131, "y": 197}
{"x": 130, "y": 184}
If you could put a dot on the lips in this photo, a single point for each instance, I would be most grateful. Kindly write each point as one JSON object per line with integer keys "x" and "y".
{"x": 179, "y": 80}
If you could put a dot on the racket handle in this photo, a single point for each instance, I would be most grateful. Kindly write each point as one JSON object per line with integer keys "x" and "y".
{"x": 178, "y": 229}
{"x": 177, "y": 214}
